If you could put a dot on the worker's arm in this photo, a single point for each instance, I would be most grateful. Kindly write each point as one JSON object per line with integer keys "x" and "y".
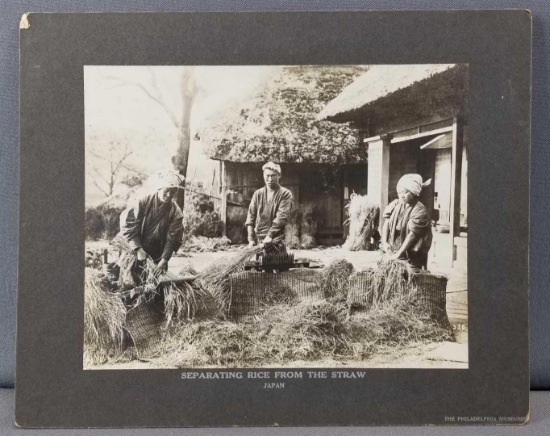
{"x": 408, "y": 243}
{"x": 418, "y": 225}
{"x": 385, "y": 236}
{"x": 281, "y": 216}
{"x": 173, "y": 239}
{"x": 174, "y": 235}
{"x": 130, "y": 226}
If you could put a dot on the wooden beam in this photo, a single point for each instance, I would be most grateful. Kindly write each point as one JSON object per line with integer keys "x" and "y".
{"x": 423, "y": 134}
{"x": 415, "y": 136}
{"x": 378, "y": 173}
{"x": 456, "y": 176}
{"x": 223, "y": 209}
{"x": 442, "y": 141}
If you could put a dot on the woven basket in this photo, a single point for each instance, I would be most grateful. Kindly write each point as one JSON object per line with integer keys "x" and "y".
{"x": 360, "y": 290}
{"x": 144, "y": 324}
{"x": 432, "y": 297}
{"x": 251, "y": 290}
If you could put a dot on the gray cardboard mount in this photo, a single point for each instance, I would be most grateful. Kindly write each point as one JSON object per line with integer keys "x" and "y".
{"x": 54, "y": 391}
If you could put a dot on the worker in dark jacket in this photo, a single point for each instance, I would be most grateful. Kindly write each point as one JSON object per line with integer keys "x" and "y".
{"x": 152, "y": 225}
{"x": 407, "y": 228}
{"x": 269, "y": 211}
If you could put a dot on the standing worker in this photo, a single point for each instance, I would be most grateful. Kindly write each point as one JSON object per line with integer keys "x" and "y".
{"x": 269, "y": 211}
{"x": 407, "y": 225}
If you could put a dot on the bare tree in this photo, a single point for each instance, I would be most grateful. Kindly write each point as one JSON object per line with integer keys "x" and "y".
{"x": 105, "y": 165}
{"x": 180, "y": 121}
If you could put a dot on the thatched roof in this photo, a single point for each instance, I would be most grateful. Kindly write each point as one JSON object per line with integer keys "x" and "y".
{"x": 280, "y": 124}
{"x": 379, "y": 81}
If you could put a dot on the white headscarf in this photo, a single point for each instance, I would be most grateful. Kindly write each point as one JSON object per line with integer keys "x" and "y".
{"x": 412, "y": 183}
{"x": 272, "y": 166}
{"x": 171, "y": 179}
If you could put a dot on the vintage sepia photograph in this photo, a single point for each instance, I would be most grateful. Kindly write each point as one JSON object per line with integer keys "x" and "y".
{"x": 296, "y": 216}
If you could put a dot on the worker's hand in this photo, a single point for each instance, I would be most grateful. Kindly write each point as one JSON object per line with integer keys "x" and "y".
{"x": 267, "y": 239}
{"x": 141, "y": 254}
{"x": 162, "y": 267}
{"x": 252, "y": 243}
{"x": 395, "y": 256}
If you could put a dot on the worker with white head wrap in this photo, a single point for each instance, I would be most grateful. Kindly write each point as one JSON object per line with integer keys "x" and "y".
{"x": 407, "y": 228}
{"x": 269, "y": 210}
{"x": 152, "y": 224}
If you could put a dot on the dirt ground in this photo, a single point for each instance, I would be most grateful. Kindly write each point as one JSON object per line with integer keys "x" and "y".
{"x": 436, "y": 355}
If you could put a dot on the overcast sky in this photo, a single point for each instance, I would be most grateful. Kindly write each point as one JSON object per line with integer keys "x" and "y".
{"x": 117, "y": 109}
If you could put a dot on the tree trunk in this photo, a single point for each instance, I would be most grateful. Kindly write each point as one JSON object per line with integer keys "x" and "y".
{"x": 181, "y": 159}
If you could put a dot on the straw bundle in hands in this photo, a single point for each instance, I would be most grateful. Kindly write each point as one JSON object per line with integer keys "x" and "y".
{"x": 182, "y": 298}
{"x": 128, "y": 257}
{"x": 393, "y": 279}
{"x": 363, "y": 222}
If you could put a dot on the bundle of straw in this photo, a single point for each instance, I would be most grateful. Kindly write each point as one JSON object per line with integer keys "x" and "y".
{"x": 104, "y": 314}
{"x": 335, "y": 277}
{"x": 308, "y": 225}
{"x": 182, "y": 299}
{"x": 363, "y": 222}
{"x": 128, "y": 258}
{"x": 393, "y": 279}
{"x": 292, "y": 229}
{"x": 215, "y": 277}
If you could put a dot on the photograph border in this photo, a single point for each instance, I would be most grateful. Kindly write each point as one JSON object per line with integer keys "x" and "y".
{"x": 54, "y": 391}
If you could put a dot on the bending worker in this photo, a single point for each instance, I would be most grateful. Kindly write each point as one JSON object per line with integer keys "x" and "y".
{"x": 153, "y": 224}
{"x": 407, "y": 227}
{"x": 269, "y": 211}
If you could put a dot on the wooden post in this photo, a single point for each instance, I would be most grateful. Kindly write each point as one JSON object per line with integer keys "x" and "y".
{"x": 456, "y": 176}
{"x": 223, "y": 210}
{"x": 379, "y": 172}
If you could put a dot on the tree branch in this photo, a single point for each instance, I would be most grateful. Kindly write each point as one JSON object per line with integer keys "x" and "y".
{"x": 153, "y": 97}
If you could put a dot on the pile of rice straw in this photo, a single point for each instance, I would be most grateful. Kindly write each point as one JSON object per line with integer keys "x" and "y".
{"x": 284, "y": 333}
{"x": 363, "y": 221}
{"x": 335, "y": 278}
{"x": 285, "y": 330}
{"x": 104, "y": 317}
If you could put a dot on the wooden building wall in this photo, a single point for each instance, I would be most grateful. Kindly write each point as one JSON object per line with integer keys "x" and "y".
{"x": 322, "y": 185}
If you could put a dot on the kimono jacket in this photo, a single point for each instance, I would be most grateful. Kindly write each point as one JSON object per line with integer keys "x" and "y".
{"x": 404, "y": 219}
{"x": 269, "y": 218}
{"x": 155, "y": 226}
